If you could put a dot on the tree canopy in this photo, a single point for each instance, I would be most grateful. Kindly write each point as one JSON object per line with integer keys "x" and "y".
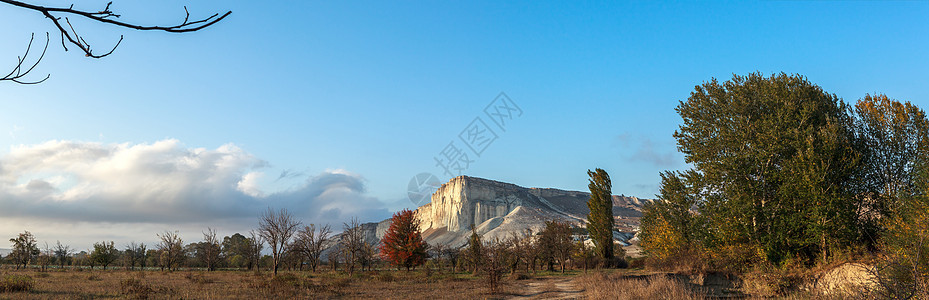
{"x": 403, "y": 244}
{"x": 783, "y": 167}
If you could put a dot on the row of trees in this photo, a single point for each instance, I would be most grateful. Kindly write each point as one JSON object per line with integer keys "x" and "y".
{"x": 170, "y": 253}
{"x": 783, "y": 171}
{"x": 556, "y": 245}
{"x": 290, "y": 243}
{"x": 293, "y": 244}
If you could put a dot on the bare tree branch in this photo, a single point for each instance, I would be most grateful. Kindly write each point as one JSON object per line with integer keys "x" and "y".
{"x": 104, "y": 16}
{"x": 18, "y": 71}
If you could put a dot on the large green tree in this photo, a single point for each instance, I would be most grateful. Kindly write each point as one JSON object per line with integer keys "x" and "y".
{"x": 894, "y": 139}
{"x": 556, "y": 239}
{"x": 104, "y": 253}
{"x": 777, "y": 156}
{"x": 25, "y": 249}
{"x": 670, "y": 226}
{"x": 600, "y": 218}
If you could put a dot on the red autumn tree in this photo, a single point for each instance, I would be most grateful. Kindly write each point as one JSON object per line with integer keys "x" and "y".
{"x": 403, "y": 244}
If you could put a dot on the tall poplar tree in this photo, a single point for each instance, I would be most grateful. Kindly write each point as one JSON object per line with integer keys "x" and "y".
{"x": 600, "y": 219}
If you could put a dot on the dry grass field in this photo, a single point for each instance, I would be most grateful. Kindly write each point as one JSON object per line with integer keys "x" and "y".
{"x": 383, "y": 284}
{"x": 121, "y": 284}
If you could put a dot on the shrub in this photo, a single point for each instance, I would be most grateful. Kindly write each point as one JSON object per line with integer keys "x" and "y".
{"x": 386, "y": 277}
{"x": 16, "y": 283}
{"x": 636, "y": 263}
{"x": 735, "y": 258}
{"x": 519, "y": 276}
{"x": 337, "y": 286}
{"x": 286, "y": 279}
{"x": 197, "y": 278}
{"x": 135, "y": 288}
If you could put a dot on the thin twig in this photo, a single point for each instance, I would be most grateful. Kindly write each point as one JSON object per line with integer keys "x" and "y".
{"x": 17, "y": 73}
{"x": 107, "y": 16}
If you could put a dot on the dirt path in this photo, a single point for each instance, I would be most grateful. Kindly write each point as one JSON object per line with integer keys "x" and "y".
{"x": 550, "y": 288}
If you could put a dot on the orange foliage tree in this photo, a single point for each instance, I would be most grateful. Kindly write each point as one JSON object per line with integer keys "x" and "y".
{"x": 403, "y": 244}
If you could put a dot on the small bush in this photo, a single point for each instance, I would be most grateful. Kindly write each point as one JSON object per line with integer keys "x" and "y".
{"x": 636, "y": 263}
{"x": 135, "y": 288}
{"x": 286, "y": 280}
{"x": 16, "y": 283}
{"x": 338, "y": 285}
{"x": 198, "y": 278}
{"x": 519, "y": 276}
{"x": 93, "y": 277}
{"x": 386, "y": 277}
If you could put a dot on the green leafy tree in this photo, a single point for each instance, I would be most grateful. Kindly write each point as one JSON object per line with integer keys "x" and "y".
{"x": 778, "y": 157}
{"x": 670, "y": 227}
{"x": 475, "y": 252}
{"x": 62, "y": 253}
{"x": 25, "y": 249}
{"x": 894, "y": 139}
{"x": 104, "y": 253}
{"x": 557, "y": 239}
{"x": 235, "y": 249}
{"x": 600, "y": 218}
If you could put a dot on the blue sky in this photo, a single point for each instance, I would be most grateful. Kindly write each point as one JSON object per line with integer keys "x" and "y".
{"x": 349, "y": 100}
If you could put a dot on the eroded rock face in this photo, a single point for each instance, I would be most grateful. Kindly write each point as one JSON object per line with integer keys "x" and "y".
{"x": 466, "y": 201}
{"x": 498, "y": 210}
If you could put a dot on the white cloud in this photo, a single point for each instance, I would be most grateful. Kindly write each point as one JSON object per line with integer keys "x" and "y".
{"x": 164, "y": 183}
{"x": 249, "y": 184}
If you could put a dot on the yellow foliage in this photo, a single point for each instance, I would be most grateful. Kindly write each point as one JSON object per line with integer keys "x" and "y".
{"x": 908, "y": 236}
{"x": 662, "y": 241}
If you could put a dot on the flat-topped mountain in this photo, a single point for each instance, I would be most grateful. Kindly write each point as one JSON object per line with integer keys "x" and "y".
{"x": 498, "y": 209}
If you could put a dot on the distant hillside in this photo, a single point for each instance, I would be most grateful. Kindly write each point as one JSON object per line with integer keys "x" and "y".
{"x": 499, "y": 209}
{"x": 5, "y": 252}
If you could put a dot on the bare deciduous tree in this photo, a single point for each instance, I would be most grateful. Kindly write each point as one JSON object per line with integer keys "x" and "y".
{"x": 46, "y": 257}
{"x": 135, "y": 255}
{"x": 69, "y": 35}
{"x": 209, "y": 249}
{"x": 497, "y": 256}
{"x": 277, "y": 228}
{"x": 310, "y": 242}
{"x": 172, "y": 250}
{"x": 352, "y": 243}
{"x": 256, "y": 243}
